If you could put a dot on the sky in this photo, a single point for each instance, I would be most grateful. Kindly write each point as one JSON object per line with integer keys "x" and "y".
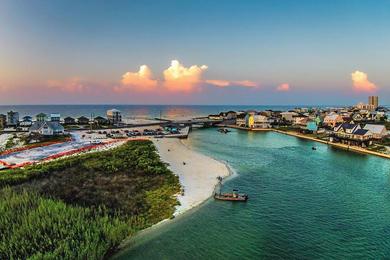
{"x": 263, "y": 52}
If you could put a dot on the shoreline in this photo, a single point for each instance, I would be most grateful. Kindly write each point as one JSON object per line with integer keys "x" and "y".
{"x": 337, "y": 145}
{"x": 197, "y": 172}
{"x": 191, "y": 202}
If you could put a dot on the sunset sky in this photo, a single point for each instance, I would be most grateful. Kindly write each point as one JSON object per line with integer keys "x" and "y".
{"x": 194, "y": 52}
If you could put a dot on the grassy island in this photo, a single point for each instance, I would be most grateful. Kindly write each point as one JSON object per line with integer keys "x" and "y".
{"x": 83, "y": 207}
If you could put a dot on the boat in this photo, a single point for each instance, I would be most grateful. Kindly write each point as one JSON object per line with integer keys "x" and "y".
{"x": 223, "y": 130}
{"x": 234, "y": 196}
{"x": 313, "y": 148}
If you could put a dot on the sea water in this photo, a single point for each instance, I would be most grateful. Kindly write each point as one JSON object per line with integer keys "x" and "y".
{"x": 303, "y": 204}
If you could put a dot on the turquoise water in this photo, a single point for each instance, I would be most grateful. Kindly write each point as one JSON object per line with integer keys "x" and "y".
{"x": 303, "y": 204}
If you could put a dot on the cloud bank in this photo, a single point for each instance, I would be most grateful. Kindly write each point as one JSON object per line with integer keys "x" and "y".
{"x": 361, "y": 83}
{"x": 141, "y": 81}
{"x": 179, "y": 78}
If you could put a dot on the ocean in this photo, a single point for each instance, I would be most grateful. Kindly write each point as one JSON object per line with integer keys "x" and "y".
{"x": 303, "y": 204}
{"x": 130, "y": 111}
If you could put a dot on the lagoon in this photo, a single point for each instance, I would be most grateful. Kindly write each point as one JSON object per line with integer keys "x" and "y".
{"x": 303, "y": 204}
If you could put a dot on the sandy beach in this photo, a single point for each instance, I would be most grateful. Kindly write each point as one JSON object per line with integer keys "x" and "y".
{"x": 198, "y": 176}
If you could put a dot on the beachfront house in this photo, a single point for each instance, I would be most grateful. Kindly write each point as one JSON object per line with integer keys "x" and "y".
{"x": 41, "y": 117}
{"x": 100, "y": 120}
{"x": 240, "y": 119}
{"x": 114, "y": 116}
{"x": 3, "y": 121}
{"x": 352, "y": 134}
{"x": 26, "y": 122}
{"x": 249, "y": 120}
{"x": 69, "y": 120}
{"x": 288, "y": 116}
{"x": 46, "y": 128}
{"x": 333, "y": 119}
{"x": 82, "y": 120}
{"x": 261, "y": 121}
{"x": 378, "y": 131}
{"x": 12, "y": 118}
{"x": 55, "y": 117}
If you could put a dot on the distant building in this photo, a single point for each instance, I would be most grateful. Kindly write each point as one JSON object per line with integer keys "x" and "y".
{"x": 100, "y": 120}
{"x": 12, "y": 118}
{"x": 41, "y": 117}
{"x": 288, "y": 116}
{"x": 26, "y": 121}
{"x": 333, "y": 119}
{"x": 240, "y": 119}
{"x": 55, "y": 117}
{"x": 373, "y": 101}
{"x": 82, "y": 120}
{"x": 250, "y": 120}
{"x": 261, "y": 121}
{"x": 312, "y": 126}
{"x": 3, "y": 121}
{"x": 114, "y": 116}
{"x": 47, "y": 128}
{"x": 69, "y": 120}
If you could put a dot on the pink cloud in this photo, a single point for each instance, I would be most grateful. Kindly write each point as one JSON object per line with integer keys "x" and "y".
{"x": 361, "y": 83}
{"x": 218, "y": 83}
{"x": 245, "y": 83}
{"x": 178, "y": 78}
{"x": 141, "y": 81}
{"x": 284, "y": 87}
{"x": 73, "y": 85}
{"x": 225, "y": 83}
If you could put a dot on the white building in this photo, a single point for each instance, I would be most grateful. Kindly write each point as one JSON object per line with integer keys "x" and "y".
{"x": 261, "y": 121}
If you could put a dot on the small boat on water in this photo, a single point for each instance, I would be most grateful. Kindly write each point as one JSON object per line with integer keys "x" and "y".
{"x": 223, "y": 130}
{"x": 234, "y": 196}
{"x": 314, "y": 148}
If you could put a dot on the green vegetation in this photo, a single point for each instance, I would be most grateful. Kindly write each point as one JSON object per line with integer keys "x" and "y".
{"x": 10, "y": 142}
{"x": 387, "y": 124}
{"x": 83, "y": 207}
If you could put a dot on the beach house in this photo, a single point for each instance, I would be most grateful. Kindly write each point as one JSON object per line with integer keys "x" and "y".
{"x": 352, "y": 134}
{"x": 240, "y": 119}
{"x": 249, "y": 120}
{"x": 114, "y": 116}
{"x": 333, "y": 119}
{"x": 261, "y": 121}
{"x": 378, "y": 131}
{"x": 100, "y": 120}
{"x": 82, "y": 120}
{"x": 69, "y": 120}
{"x": 288, "y": 116}
{"x": 3, "y": 121}
{"x": 41, "y": 117}
{"x": 12, "y": 118}
{"x": 55, "y": 117}
{"x": 47, "y": 128}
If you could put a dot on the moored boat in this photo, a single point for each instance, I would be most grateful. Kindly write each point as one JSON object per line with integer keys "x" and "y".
{"x": 231, "y": 196}
{"x": 234, "y": 196}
